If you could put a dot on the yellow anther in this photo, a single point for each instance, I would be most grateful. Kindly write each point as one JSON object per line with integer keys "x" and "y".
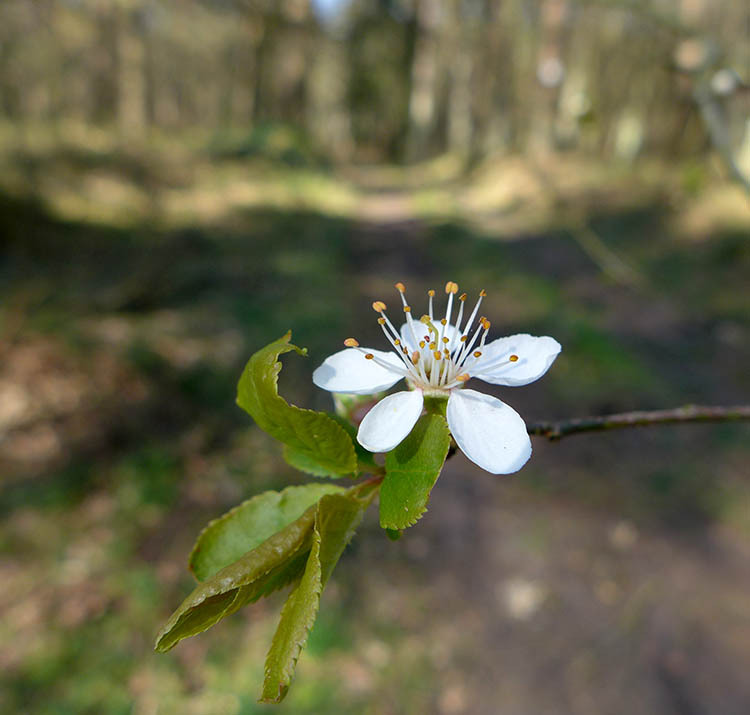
{"x": 381, "y": 321}
{"x": 415, "y": 357}
{"x": 477, "y": 353}
{"x": 513, "y": 358}
{"x": 482, "y": 293}
{"x": 486, "y": 324}
{"x": 437, "y": 355}
{"x": 404, "y": 350}
{"x": 397, "y": 342}
{"x": 464, "y": 377}
{"x": 446, "y": 341}
{"x": 451, "y": 287}
{"x": 422, "y": 343}
{"x": 407, "y": 309}
{"x": 433, "y": 346}
{"x": 443, "y": 322}
{"x": 351, "y": 343}
{"x": 464, "y": 338}
{"x": 446, "y": 352}
{"x": 425, "y": 319}
{"x": 462, "y": 296}
{"x": 369, "y": 356}
{"x": 431, "y": 293}
{"x": 400, "y": 287}
{"x": 378, "y": 306}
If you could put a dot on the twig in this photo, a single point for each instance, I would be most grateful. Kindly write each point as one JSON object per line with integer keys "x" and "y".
{"x": 689, "y": 413}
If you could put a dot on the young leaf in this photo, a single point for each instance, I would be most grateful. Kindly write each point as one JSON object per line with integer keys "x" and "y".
{"x": 248, "y": 525}
{"x": 311, "y": 434}
{"x": 270, "y": 565}
{"x": 337, "y": 517}
{"x": 412, "y": 469}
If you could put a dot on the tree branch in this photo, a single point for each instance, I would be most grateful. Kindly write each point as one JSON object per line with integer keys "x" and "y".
{"x": 689, "y": 413}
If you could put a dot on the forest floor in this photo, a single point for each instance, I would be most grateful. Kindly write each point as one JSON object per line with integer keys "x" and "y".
{"x": 609, "y": 576}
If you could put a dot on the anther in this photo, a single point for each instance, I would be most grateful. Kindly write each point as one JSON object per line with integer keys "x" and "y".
{"x": 351, "y": 343}
{"x": 513, "y": 358}
{"x": 407, "y": 309}
{"x": 415, "y": 357}
{"x": 477, "y": 353}
{"x": 422, "y": 343}
{"x": 400, "y": 287}
{"x": 378, "y": 306}
{"x": 369, "y": 356}
{"x": 431, "y": 293}
{"x": 443, "y": 322}
{"x": 482, "y": 293}
{"x": 437, "y": 355}
{"x": 462, "y": 296}
{"x": 464, "y": 338}
{"x": 381, "y": 321}
{"x": 451, "y": 287}
{"x": 397, "y": 342}
{"x": 446, "y": 341}
{"x": 446, "y": 352}
{"x": 464, "y": 377}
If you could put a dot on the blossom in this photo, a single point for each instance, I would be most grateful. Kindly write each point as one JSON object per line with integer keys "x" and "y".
{"x": 437, "y": 357}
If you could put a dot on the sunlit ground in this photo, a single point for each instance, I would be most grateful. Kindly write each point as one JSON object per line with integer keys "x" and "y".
{"x": 609, "y": 576}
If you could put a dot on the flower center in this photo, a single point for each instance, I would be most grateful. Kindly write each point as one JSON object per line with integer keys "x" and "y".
{"x": 434, "y": 353}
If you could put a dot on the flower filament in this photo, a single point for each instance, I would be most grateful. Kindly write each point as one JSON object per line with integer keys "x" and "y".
{"x": 436, "y": 361}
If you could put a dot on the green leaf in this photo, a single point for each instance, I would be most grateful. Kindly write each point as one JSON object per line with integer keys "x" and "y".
{"x": 337, "y": 517}
{"x": 248, "y": 525}
{"x": 272, "y": 564}
{"x": 411, "y": 471}
{"x": 312, "y": 435}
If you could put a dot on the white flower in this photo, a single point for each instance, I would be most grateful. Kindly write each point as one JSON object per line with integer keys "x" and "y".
{"x": 437, "y": 357}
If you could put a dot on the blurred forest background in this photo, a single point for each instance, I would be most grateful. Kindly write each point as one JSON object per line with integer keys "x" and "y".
{"x": 181, "y": 181}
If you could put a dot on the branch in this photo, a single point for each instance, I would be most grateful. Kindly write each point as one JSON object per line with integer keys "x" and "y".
{"x": 689, "y": 413}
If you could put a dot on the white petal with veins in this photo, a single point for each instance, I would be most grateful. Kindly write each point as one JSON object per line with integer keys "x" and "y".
{"x": 388, "y": 423}
{"x": 351, "y": 372}
{"x": 489, "y": 432}
{"x": 535, "y": 356}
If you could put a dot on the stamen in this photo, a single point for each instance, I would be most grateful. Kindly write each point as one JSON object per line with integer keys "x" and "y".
{"x": 351, "y": 343}
{"x": 431, "y": 293}
{"x": 451, "y": 287}
{"x": 470, "y": 321}
{"x": 378, "y": 306}
{"x": 400, "y": 287}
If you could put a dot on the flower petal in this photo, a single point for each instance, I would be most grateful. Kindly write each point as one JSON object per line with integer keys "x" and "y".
{"x": 390, "y": 421}
{"x": 535, "y": 355}
{"x": 421, "y": 331}
{"x": 489, "y": 432}
{"x": 349, "y": 371}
